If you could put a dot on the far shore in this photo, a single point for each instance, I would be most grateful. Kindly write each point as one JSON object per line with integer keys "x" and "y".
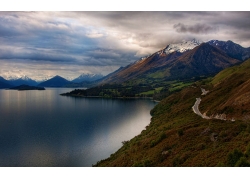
{"x": 73, "y": 95}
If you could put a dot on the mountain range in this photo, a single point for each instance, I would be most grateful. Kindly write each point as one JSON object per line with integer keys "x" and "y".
{"x": 56, "y": 81}
{"x": 231, "y": 49}
{"x": 179, "y": 61}
{"x": 182, "y": 61}
{"x": 23, "y": 80}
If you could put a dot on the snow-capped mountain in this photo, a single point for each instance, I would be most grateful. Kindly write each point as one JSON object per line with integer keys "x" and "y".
{"x": 12, "y": 77}
{"x": 87, "y": 77}
{"x": 177, "y": 61}
{"x": 170, "y": 48}
{"x": 181, "y": 47}
{"x": 25, "y": 78}
{"x": 175, "y": 47}
{"x": 22, "y": 80}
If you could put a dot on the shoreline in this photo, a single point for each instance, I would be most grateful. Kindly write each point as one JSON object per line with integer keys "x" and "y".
{"x": 109, "y": 97}
{"x": 149, "y": 98}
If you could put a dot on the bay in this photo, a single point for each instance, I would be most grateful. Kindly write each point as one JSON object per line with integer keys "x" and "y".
{"x": 44, "y": 129}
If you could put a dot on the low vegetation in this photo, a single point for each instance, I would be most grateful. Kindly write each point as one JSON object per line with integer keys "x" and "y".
{"x": 178, "y": 137}
{"x": 157, "y": 91}
{"x": 229, "y": 93}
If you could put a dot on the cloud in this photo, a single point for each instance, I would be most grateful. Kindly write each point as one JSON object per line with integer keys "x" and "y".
{"x": 94, "y": 35}
{"x": 195, "y": 29}
{"x": 18, "y": 54}
{"x": 102, "y": 41}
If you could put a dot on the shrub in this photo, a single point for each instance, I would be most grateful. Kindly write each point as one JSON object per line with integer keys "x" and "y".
{"x": 247, "y": 153}
{"x": 162, "y": 136}
{"x": 153, "y": 143}
{"x": 145, "y": 163}
{"x": 242, "y": 162}
{"x": 233, "y": 157}
{"x": 158, "y": 140}
{"x": 220, "y": 164}
{"x": 177, "y": 161}
{"x": 180, "y": 132}
{"x": 124, "y": 142}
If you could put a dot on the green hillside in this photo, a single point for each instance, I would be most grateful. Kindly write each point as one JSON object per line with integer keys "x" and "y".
{"x": 243, "y": 68}
{"x": 177, "y": 136}
{"x": 230, "y": 94}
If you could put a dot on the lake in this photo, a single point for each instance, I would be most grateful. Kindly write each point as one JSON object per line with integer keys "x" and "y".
{"x": 42, "y": 128}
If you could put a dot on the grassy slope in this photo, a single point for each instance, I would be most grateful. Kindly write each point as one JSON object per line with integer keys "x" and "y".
{"x": 227, "y": 73}
{"x": 178, "y": 137}
{"x": 230, "y": 93}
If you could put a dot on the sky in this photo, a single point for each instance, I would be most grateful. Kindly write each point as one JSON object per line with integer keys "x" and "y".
{"x": 42, "y": 44}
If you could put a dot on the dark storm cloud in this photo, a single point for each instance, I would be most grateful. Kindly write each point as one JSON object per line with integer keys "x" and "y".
{"x": 195, "y": 29}
{"x": 106, "y": 54}
{"x": 41, "y": 41}
{"x": 60, "y": 42}
{"x": 36, "y": 56}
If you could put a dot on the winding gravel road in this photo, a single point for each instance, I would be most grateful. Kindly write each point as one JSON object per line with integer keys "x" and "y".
{"x": 196, "y": 109}
{"x": 204, "y": 92}
{"x": 197, "y": 103}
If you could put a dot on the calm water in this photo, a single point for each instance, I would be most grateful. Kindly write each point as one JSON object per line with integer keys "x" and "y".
{"x": 42, "y": 128}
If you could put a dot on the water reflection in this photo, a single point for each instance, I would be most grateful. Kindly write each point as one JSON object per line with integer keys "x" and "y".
{"x": 41, "y": 128}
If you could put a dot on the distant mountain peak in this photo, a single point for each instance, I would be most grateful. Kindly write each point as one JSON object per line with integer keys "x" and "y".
{"x": 19, "y": 80}
{"x": 87, "y": 77}
{"x": 56, "y": 81}
{"x": 20, "y": 77}
{"x": 234, "y": 50}
{"x": 57, "y": 77}
{"x": 11, "y": 77}
{"x": 24, "y": 77}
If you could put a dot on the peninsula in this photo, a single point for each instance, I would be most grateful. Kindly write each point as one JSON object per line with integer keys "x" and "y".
{"x": 27, "y": 87}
